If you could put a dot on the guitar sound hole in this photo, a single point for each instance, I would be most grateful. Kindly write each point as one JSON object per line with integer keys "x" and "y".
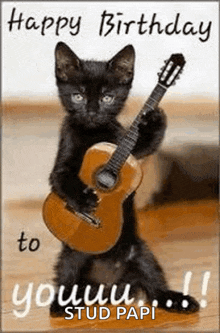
{"x": 106, "y": 179}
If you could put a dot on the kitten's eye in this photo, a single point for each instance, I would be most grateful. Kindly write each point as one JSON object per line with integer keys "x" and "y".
{"x": 77, "y": 98}
{"x": 108, "y": 99}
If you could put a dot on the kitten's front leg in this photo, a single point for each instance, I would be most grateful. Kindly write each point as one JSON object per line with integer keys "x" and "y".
{"x": 68, "y": 186}
{"x": 66, "y": 183}
{"x": 151, "y": 133}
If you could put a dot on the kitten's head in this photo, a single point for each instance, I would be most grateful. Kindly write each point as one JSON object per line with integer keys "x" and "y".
{"x": 93, "y": 92}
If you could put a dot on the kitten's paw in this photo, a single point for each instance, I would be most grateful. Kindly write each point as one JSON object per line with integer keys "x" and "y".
{"x": 153, "y": 120}
{"x": 177, "y": 302}
{"x": 151, "y": 132}
{"x": 86, "y": 202}
{"x": 56, "y": 310}
{"x": 90, "y": 200}
{"x": 59, "y": 311}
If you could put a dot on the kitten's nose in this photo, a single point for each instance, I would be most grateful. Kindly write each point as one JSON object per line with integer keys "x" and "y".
{"x": 92, "y": 108}
{"x": 91, "y": 112}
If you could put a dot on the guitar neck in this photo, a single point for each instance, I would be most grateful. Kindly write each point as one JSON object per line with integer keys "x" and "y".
{"x": 130, "y": 139}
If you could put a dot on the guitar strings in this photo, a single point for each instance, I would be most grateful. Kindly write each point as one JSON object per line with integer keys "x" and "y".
{"x": 122, "y": 152}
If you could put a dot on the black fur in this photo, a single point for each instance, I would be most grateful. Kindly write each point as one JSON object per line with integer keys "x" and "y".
{"x": 91, "y": 119}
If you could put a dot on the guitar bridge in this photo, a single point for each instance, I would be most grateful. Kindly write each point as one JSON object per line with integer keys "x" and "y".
{"x": 92, "y": 220}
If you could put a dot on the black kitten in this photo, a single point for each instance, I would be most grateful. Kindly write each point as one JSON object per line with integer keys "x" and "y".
{"x": 93, "y": 93}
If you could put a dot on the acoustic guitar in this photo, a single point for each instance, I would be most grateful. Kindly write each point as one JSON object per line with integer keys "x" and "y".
{"x": 113, "y": 173}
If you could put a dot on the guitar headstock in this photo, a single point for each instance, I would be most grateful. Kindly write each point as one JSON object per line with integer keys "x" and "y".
{"x": 173, "y": 67}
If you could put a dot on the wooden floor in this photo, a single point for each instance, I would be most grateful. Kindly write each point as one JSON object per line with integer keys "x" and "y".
{"x": 183, "y": 236}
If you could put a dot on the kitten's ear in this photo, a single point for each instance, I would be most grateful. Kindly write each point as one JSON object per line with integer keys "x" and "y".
{"x": 122, "y": 64}
{"x": 67, "y": 62}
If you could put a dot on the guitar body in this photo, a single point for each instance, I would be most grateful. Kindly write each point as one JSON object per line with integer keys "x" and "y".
{"x": 77, "y": 230}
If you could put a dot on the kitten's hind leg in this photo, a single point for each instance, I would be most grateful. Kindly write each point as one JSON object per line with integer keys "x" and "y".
{"x": 154, "y": 284}
{"x": 68, "y": 269}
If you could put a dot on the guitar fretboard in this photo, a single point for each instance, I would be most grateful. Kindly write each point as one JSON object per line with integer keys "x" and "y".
{"x": 130, "y": 139}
